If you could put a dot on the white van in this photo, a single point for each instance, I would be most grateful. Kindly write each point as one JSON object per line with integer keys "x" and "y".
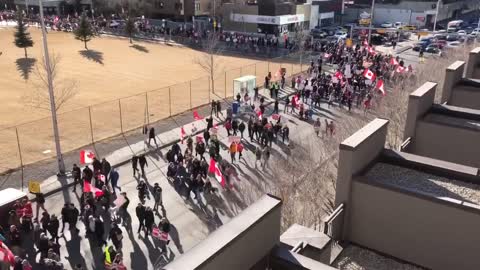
{"x": 455, "y": 24}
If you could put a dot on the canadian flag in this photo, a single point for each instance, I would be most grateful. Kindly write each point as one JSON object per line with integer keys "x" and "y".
{"x": 371, "y": 50}
{"x": 213, "y": 168}
{"x": 6, "y": 254}
{"x": 87, "y": 187}
{"x": 196, "y": 116}
{"x": 86, "y": 156}
{"x": 367, "y": 73}
{"x": 259, "y": 114}
{"x": 182, "y": 134}
{"x": 393, "y": 61}
{"x": 380, "y": 87}
{"x": 400, "y": 69}
{"x": 339, "y": 75}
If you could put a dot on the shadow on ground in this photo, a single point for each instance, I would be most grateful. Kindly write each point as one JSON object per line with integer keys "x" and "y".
{"x": 25, "y": 66}
{"x": 92, "y": 55}
{"x": 140, "y": 48}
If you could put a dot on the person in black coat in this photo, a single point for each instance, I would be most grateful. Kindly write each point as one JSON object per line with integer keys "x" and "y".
{"x": 134, "y": 164}
{"x": 99, "y": 231}
{"x": 140, "y": 211}
{"x": 97, "y": 166}
{"x": 53, "y": 226}
{"x": 116, "y": 236}
{"x": 149, "y": 219}
{"x": 151, "y": 135}
{"x": 206, "y": 136}
{"x": 76, "y": 174}
{"x": 143, "y": 162}
{"x": 241, "y": 128}
{"x": 87, "y": 174}
{"x": 106, "y": 168}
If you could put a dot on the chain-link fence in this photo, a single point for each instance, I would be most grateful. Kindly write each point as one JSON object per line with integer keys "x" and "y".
{"x": 86, "y": 127}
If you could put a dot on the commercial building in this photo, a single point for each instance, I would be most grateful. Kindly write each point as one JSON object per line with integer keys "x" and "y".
{"x": 417, "y": 207}
{"x": 413, "y": 12}
{"x": 278, "y": 16}
{"x": 52, "y": 7}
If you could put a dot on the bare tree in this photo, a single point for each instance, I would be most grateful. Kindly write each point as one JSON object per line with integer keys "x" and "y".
{"x": 64, "y": 89}
{"x": 209, "y": 61}
{"x": 300, "y": 39}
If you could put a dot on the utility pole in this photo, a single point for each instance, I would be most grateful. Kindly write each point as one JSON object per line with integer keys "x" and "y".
{"x": 371, "y": 22}
{"x": 61, "y": 164}
{"x": 436, "y": 16}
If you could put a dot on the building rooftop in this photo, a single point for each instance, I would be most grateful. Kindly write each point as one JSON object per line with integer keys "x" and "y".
{"x": 423, "y": 182}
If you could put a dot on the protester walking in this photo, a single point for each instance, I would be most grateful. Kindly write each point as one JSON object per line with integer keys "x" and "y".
{"x": 76, "y": 174}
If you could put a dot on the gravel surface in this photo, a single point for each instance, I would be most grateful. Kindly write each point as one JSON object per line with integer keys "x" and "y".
{"x": 424, "y": 182}
{"x": 356, "y": 258}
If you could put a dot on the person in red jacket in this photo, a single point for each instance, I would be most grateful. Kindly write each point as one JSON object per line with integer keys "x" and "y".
{"x": 239, "y": 150}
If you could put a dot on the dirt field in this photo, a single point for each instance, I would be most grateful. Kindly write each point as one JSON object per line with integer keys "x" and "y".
{"x": 110, "y": 70}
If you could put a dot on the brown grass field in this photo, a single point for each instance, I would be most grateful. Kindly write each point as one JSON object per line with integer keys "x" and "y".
{"x": 113, "y": 69}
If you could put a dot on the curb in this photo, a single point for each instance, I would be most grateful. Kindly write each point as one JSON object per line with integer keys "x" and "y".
{"x": 403, "y": 49}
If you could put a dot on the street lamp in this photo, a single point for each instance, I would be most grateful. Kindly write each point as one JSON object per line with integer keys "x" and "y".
{"x": 61, "y": 164}
{"x": 436, "y": 16}
{"x": 371, "y": 21}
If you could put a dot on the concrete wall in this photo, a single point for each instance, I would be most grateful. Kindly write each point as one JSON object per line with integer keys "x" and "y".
{"x": 356, "y": 153}
{"x": 252, "y": 234}
{"x": 447, "y": 142}
{"x": 466, "y": 97}
{"x": 429, "y": 232}
{"x": 473, "y": 64}
{"x": 419, "y": 102}
{"x": 453, "y": 75}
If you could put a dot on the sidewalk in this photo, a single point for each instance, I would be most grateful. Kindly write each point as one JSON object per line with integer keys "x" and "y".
{"x": 165, "y": 139}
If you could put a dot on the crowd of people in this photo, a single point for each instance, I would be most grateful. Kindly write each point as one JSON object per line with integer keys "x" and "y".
{"x": 101, "y": 211}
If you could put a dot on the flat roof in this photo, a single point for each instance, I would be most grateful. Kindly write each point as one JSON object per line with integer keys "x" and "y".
{"x": 453, "y": 121}
{"x": 419, "y": 181}
{"x": 356, "y": 258}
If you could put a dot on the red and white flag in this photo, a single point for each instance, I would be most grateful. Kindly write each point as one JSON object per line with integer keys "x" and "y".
{"x": 367, "y": 73}
{"x": 400, "y": 69}
{"x": 182, "y": 134}
{"x": 6, "y": 254}
{"x": 259, "y": 114}
{"x": 393, "y": 61}
{"x": 56, "y": 20}
{"x": 380, "y": 87}
{"x": 87, "y": 187}
{"x": 213, "y": 168}
{"x": 365, "y": 43}
{"x": 327, "y": 55}
{"x": 196, "y": 116}
{"x": 86, "y": 156}
{"x": 371, "y": 50}
{"x": 339, "y": 75}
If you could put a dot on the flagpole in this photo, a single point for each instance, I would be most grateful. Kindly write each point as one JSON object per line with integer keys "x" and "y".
{"x": 436, "y": 16}
{"x": 61, "y": 164}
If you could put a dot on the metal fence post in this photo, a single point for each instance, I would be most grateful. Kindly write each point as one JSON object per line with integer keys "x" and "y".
{"x": 190, "y": 95}
{"x": 268, "y": 65}
{"x": 120, "y": 110}
{"x": 255, "y": 69}
{"x": 146, "y": 108}
{"x": 170, "y": 100}
{"x": 19, "y": 154}
{"x": 225, "y": 84}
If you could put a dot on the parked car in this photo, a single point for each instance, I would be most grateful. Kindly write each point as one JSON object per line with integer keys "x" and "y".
{"x": 378, "y": 39}
{"x": 340, "y": 34}
{"x": 440, "y": 37}
{"x": 461, "y": 32}
{"x": 453, "y": 44}
{"x": 419, "y": 46}
{"x": 318, "y": 33}
{"x": 441, "y": 43}
{"x": 451, "y": 30}
{"x": 398, "y": 24}
{"x": 432, "y": 48}
{"x": 426, "y": 40}
{"x": 452, "y": 37}
{"x": 386, "y": 25}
